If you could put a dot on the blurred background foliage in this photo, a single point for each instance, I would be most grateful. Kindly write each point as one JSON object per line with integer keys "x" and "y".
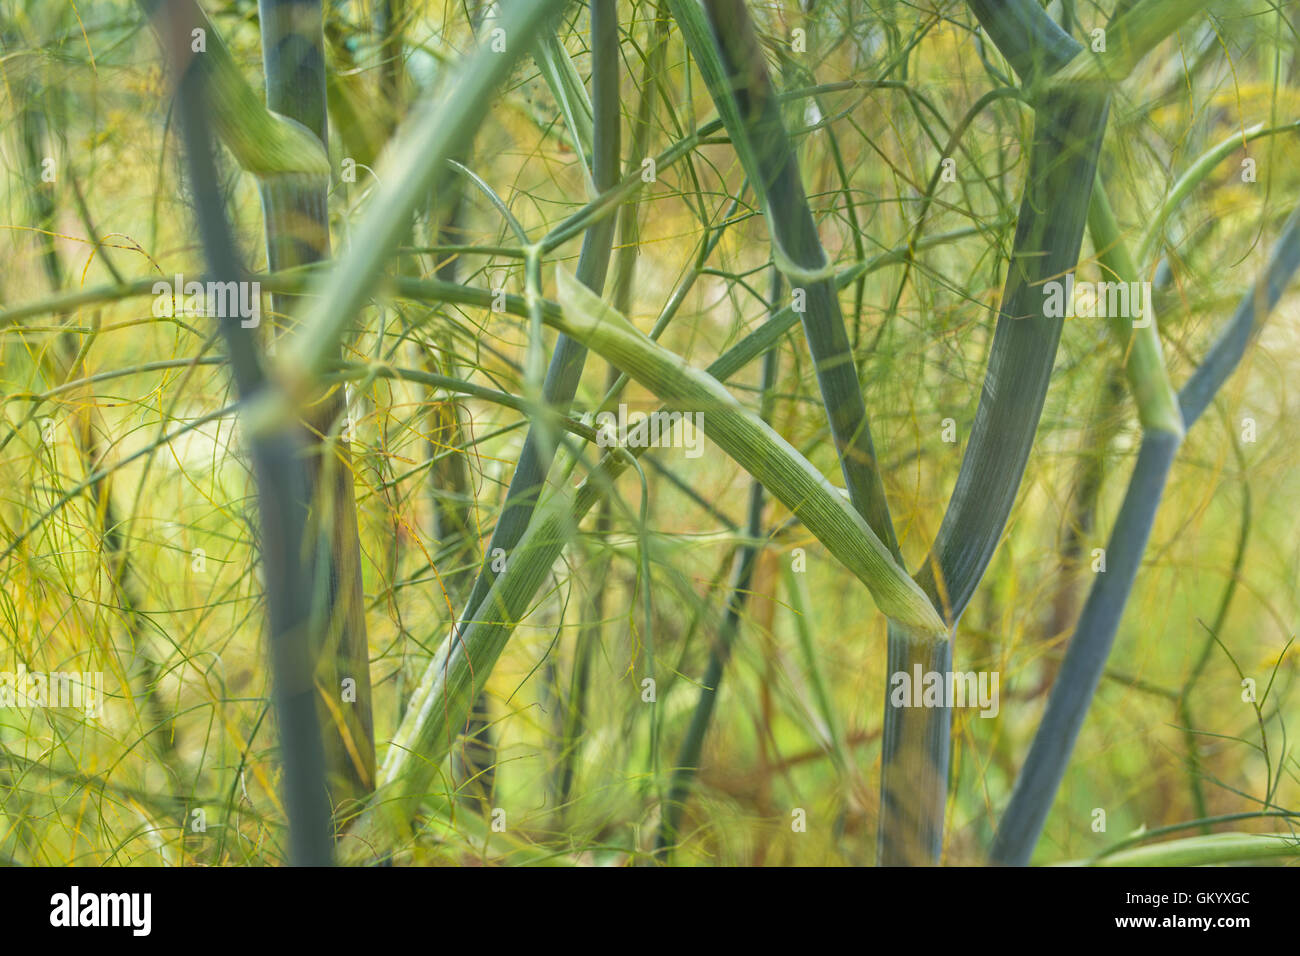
{"x": 180, "y": 635}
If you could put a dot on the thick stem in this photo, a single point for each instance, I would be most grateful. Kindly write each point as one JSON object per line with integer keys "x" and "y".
{"x": 1062, "y": 165}
{"x": 282, "y": 484}
{"x": 297, "y": 233}
{"x": 915, "y": 750}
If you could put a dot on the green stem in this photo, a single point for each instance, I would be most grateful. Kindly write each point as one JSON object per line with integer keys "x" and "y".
{"x": 416, "y": 164}
{"x": 742, "y": 90}
{"x": 569, "y": 357}
{"x": 1044, "y": 768}
{"x": 297, "y": 234}
{"x": 688, "y": 757}
{"x": 1194, "y": 176}
{"x": 1128, "y": 39}
{"x": 282, "y": 489}
{"x": 1215, "y": 850}
{"x": 1144, "y": 363}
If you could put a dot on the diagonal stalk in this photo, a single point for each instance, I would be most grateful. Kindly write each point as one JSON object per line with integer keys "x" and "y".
{"x": 263, "y": 142}
{"x": 565, "y": 370}
{"x": 1081, "y": 671}
{"x": 1130, "y": 37}
{"x": 1036, "y": 48}
{"x": 468, "y": 656}
{"x": 1144, "y": 364}
{"x": 451, "y": 489}
{"x": 416, "y": 163}
{"x": 728, "y": 53}
{"x": 785, "y": 473}
{"x": 1062, "y": 165}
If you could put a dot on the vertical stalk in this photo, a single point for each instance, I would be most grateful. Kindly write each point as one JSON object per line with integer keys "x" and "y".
{"x": 625, "y": 260}
{"x": 1067, "y": 136}
{"x": 297, "y": 233}
{"x": 280, "y": 475}
{"x": 915, "y": 749}
{"x": 565, "y": 369}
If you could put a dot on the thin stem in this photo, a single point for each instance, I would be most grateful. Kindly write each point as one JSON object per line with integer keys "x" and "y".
{"x": 688, "y": 757}
{"x": 1139, "y": 338}
{"x": 565, "y": 369}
